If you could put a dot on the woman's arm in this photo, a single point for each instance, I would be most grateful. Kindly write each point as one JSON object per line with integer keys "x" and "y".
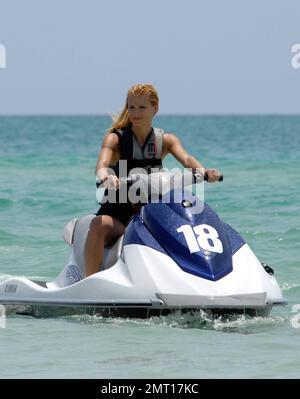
{"x": 108, "y": 154}
{"x": 172, "y": 145}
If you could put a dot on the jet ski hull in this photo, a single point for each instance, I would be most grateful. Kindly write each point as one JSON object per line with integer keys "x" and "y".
{"x": 153, "y": 285}
{"x": 141, "y": 311}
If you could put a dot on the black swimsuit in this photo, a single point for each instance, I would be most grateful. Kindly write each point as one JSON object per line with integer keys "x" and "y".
{"x": 124, "y": 211}
{"x": 120, "y": 211}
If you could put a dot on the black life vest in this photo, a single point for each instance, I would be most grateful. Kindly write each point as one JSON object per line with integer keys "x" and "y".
{"x": 146, "y": 157}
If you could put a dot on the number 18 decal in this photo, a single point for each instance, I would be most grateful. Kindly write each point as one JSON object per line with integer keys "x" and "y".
{"x": 200, "y": 237}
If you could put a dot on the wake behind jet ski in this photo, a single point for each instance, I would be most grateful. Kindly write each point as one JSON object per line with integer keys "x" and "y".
{"x": 176, "y": 255}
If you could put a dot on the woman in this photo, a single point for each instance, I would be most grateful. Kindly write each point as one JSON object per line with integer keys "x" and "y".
{"x": 131, "y": 138}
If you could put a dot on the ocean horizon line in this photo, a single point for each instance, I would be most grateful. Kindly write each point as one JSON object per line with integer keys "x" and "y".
{"x": 160, "y": 115}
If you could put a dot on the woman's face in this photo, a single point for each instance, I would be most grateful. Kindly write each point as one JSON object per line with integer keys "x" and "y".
{"x": 140, "y": 110}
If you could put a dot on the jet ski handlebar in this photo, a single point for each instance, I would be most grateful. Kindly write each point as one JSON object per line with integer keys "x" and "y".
{"x": 198, "y": 178}
{"x": 123, "y": 180}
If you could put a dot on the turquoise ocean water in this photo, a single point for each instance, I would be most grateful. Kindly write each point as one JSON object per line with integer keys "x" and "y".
{"x": 47, "y": 177}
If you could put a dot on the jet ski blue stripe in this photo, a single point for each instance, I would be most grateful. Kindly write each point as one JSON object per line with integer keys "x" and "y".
{"x": 137, "y": 233}
{"x": 236, "y": 241}
{"x": 157, "y": 224}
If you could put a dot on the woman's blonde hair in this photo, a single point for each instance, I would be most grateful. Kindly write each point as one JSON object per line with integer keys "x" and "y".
{"x": 121, "y": 121}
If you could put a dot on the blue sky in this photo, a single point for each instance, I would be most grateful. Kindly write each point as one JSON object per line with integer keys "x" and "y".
{"x": 203, "y": 56}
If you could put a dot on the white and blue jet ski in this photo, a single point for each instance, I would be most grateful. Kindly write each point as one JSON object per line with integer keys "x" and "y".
{"x": 172, "y": 257}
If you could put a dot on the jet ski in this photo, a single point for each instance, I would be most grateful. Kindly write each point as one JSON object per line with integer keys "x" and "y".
{"x": 176, "y": 255}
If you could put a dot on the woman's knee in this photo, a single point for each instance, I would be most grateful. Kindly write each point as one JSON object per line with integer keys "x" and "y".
{"x": 106, "y": 228}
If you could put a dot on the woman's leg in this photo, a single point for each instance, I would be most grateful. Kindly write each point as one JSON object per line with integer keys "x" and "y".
{"x": 103, "y": 230}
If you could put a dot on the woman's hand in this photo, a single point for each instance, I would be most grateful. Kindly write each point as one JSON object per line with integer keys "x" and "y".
{"x": 110, "y": 181}
{"x": 213, "y": 175}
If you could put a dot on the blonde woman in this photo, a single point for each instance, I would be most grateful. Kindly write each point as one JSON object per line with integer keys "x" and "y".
{"x": 131, "y": 138}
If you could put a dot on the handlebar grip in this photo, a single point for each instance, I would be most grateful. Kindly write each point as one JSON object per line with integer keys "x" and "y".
{"x": 123, "y": 180}
{"x": 221, "y": 178}
{"x": 99, "y": 183}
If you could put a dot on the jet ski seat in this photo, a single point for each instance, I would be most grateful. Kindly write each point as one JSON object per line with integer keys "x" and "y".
{"x": 75, "y": 232}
